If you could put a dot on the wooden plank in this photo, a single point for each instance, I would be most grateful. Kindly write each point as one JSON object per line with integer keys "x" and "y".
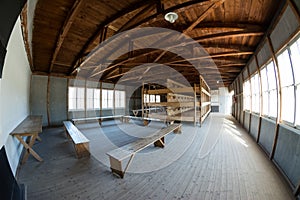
{"x": 170, "y": 90}
{"x": 65, "y": 29}
{"x": 31, "y": 124}
{"x": 174, "y": 104}
{"x": 127, "y": 150}
{"x": 74, "y": 133}
{"x": 204, "y": 15}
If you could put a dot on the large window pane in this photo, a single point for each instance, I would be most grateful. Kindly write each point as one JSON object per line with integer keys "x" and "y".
{"x": 295, "y": 57}
{"x": 246, "y": 95}
{"x": 80, "y": 98}
{"x": 255, "y": 93}
{"x": 271, "y": 76}
{"x": 285, "y": 69}
{"x": 265, "y": 110}
{"x": 96, "y": 98}
{"x": 288, "y": 100}
{"x": 104, "y": 99}
{"x": 90, "y": 98}
{"x": 72, "y": 98}
{"x": 273, "y": 103}
{"x": 110, "y": 98}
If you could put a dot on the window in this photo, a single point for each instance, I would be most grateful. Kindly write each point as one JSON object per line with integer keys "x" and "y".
{"x": 107, "y": 99}
{"x": 151, "y": 98}
{"x": 269, "y": 90}
{"x": 255, "y": 93}
{"x": 146, "y": 98}
{"x": 93, "y": 98}
{"x": 287, "y": 87}
{"x": 76, "y": 98}
{"x": 272, "y": 90}
{"x": 119, "y": 99}
{"x": 157, "y": 98}
{"x": 247, "y": 95}
{"x": 295, "y": 57}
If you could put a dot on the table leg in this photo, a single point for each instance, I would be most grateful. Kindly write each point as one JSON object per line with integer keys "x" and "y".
{"x": 28, "y": 148}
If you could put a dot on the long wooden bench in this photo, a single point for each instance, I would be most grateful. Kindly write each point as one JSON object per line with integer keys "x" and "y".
{"x": 116, "y": 156}
{"x": 99, "y": 119}
{"x": 146, "y": 120}
{"x": 81, "y": 143}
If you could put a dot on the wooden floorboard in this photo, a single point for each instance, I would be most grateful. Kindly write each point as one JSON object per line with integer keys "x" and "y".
{"x": 234, "y": 168}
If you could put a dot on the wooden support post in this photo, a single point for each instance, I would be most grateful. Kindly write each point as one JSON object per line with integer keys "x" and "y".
{"x": 114, "y": 100}
{"x": 100, "y": 99}
{"x": 67, "y": 99}
{"x": 48, "y": 101}
{"x": 279, "y": 98}
{"x": 195, "y": 105}
{"x": 200, "y": 108}
{"x": 142, "y": 100}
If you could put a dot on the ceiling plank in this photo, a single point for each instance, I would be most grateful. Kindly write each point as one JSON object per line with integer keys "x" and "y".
{"x": 179, "y": 7}
{"x": 65, "y": 29}
{"x": 90, "y": 40}
{"x": 138, "y": 17}
{"x": 203, "y": 15}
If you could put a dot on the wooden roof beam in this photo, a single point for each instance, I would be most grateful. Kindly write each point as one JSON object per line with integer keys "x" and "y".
{"x": 106, "y": 23}
{"x": 203, "y": 15}
{"x": 65, "y": 29}
{"x": 178, "y": 7}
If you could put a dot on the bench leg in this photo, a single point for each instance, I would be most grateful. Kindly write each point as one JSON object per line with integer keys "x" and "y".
{"x": 100, "y": 121}
{"x": 82, "y": 150}
{"x": 116, "y": 166}
{"x": 146, "y": 122}
{"x": 160, "y": 143}
{"x": 178, "y": 130}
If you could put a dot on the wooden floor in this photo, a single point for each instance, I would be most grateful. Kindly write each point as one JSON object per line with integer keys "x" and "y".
{"x": 193, "y": 165}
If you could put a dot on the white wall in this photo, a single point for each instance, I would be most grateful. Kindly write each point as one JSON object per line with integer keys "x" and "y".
{"x": 225, "y": 101}
{"x": 14, "y": 93}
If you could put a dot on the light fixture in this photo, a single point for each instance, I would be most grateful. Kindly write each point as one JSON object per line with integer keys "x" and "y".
{"x": 78, "y": 69}
{"x": 171, "y": 17}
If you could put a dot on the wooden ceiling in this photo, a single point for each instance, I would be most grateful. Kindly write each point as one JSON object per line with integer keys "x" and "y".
{"x": 68, "y": 34}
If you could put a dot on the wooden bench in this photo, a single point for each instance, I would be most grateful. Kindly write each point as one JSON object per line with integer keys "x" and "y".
{"x": 99, "y": 119}
{"x": 116, "y": 156}
{"x": 146, "y": 120}
{"x": 81, "y": 143}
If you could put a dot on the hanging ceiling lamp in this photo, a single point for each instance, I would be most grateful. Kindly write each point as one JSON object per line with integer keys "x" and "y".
{"x": 171, "y": 17}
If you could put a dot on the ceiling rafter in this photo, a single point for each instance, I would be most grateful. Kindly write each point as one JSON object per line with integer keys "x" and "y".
{"x": 178, "y": 7}
{"x": 135, "y": 19}
{"x": 76, "y": 8}
{"x": 94, "y": 36}
{"x": 202, "y": 16}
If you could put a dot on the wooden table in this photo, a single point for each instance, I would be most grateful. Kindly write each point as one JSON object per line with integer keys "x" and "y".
{"x": 30, "y": 127}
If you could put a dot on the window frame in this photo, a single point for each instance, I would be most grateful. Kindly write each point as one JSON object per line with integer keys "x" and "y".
{"x": 76, "y": 99}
